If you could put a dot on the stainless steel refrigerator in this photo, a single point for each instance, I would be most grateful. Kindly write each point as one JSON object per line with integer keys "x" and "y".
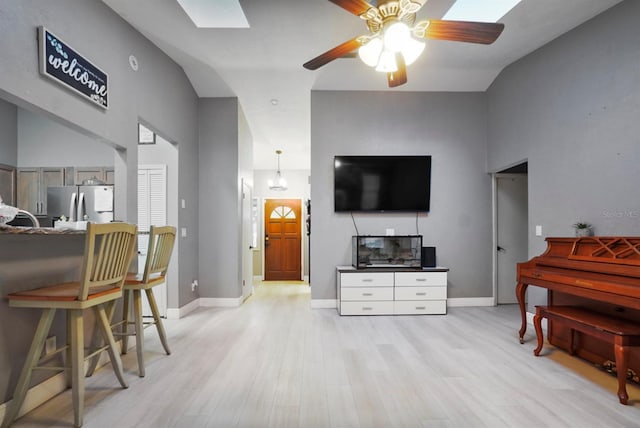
{"x": 78, "y": 203}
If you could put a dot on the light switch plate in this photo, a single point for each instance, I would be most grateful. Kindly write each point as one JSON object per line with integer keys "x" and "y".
{"x": 184, "y": 232}
{"x": 538, "y": 230}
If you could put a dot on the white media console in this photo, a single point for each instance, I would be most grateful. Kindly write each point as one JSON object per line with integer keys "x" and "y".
{"x": 389, "y": 291}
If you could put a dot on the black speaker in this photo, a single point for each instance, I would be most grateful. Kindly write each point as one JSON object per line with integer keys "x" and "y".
{"x": 428, "y": 257}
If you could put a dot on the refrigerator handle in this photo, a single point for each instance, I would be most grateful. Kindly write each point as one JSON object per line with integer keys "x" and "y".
{"x": 80, "y": 206}
{"x": 72, "y": 206}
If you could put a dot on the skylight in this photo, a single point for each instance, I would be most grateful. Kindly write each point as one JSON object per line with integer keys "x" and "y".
{"x": 481, "y": 11}
{"x": 215, "y": 14}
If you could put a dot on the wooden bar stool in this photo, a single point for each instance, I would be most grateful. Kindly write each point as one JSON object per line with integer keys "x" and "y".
{"x": 109, "y": 249}
{"x": 161, "y": 241}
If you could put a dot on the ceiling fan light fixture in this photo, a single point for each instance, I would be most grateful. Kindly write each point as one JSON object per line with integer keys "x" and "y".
{"x": 370, "y": 53}
{"x": 412, "y": 50}
{"x": 387, "y": 63}
{"x": 396, "y": 36}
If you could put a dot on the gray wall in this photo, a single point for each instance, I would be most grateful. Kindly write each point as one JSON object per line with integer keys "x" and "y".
{"x": 45, "y": 142}
{"x": 572, "y": 109}
{"x": 452, "y": 127}
{"x": 220, "y": 262}
{"x": 8, "y": 134}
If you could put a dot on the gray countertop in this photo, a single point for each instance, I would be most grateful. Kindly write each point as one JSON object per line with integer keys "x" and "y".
{"x": 21, "y": 230}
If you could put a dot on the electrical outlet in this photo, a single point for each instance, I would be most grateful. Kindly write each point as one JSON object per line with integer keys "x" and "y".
{"x": 50, "y": 345}
{"x": 194, "y": 285}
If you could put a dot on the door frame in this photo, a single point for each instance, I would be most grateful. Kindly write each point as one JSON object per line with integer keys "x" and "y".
{"x": 494, "y": 221}
{"x": 246, "y": 255}
{"x": 302, "y": 231}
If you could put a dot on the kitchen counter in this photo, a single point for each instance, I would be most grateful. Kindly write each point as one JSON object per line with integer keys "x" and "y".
{"x": 30, "y": 258}
{"x": 21, "y": 230}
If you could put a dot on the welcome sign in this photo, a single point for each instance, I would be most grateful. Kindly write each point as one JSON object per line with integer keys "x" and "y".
{"x": 64, "y": 65}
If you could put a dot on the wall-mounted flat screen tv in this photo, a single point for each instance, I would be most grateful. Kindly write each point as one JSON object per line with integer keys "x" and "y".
{"x": 382, "y": 183}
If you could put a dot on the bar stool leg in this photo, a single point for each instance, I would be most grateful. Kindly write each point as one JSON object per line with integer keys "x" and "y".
{"x": 33, "y": 356}
{"x": 158, "y": 321}
{"x": 107, "y": 335}
{"x": 137, "y": 315}
{"x": 97, "y": 341}
{"x": 76, "y": 326}
{"x": 126, "y": 307}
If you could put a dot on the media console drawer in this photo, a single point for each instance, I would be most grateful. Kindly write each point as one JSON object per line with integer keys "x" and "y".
{"x": 414, "y": 307}
{"x": 421, "y": 293}
{"x": 367, "y": 293}
{"x": 420, "y": 279}
{"x": 367, "y": 308}
{"x": 367, "y": 279}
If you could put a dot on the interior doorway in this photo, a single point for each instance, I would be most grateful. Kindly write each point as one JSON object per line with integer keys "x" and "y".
{"x": 282, "y": 239}
{"x": 158, "y": 205}
{"x": 510, "y": 230}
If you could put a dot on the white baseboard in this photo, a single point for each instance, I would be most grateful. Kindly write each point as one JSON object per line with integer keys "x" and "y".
{"x": 469, "y": 301}
{"x": 257, "y": 278}
{"x": 324, "y": 303}
{"x": 177, "y": 313}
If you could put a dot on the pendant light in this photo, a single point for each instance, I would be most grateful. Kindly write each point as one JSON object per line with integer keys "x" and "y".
{"x": 279, "y": 183}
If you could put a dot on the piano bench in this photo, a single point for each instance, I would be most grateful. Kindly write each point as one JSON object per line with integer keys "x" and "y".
{"x": 621, "y": 333}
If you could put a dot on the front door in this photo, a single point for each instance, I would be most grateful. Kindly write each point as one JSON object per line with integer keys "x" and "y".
{"x": 282, "y": 240}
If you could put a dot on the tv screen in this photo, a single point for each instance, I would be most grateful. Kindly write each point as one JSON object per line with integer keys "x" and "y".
{"x": 382, "y": 183}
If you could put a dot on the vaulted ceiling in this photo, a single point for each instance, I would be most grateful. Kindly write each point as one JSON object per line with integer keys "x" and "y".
{"x": 262, "y": 64}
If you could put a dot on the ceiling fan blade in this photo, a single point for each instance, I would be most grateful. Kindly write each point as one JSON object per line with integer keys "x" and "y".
{"x": 464, "y": 31}
{"x": 357, "y": 7}
{"x": 331, "y": 54}
{"x": 398, "y": 77}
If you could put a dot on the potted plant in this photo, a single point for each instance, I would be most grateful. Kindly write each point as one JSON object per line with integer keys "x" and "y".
{"x": 582, "y": 228}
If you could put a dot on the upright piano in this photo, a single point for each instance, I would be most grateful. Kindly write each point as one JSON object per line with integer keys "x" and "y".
{"x": 596, "y": 272}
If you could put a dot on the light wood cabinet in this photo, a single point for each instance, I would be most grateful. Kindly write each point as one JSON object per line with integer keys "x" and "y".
{"x": 104, "y": 174}
{"x": 32, "y": 186}
{"x": 8, "y": 184}
{"x": 391, "y": 292}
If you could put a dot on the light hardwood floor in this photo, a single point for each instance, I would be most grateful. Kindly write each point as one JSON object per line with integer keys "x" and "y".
{"x": 274, "y": 362}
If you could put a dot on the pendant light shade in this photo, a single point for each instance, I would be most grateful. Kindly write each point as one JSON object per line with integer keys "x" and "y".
{"x": 278, "y": 183}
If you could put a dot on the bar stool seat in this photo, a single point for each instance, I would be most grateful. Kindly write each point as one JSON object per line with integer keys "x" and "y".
{"x": 109, "y": 249}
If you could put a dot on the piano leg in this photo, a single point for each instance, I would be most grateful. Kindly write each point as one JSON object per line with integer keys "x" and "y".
{"x": 622, "y": 364}
{"x": 521, "y": 291}
{"x": 537, "y": 324}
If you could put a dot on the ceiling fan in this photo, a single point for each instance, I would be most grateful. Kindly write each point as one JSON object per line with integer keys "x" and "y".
{"x": 395, "y": 40}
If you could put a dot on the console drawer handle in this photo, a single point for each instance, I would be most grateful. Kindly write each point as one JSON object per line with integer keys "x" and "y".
{"x": 421, "y": 294}
{"x": 367, "y": 294}
{"x": 420, "y": 308}
{"x": 367, "y": 280}
{"x": 366, "y": 308}
{"x": 421, "y": 279}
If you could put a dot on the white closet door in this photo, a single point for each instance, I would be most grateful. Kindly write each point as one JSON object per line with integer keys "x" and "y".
{"x": 152, "y": 210}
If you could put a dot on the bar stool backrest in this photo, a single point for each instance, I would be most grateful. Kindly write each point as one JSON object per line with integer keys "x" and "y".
{"x": 109, "y": 249}
{"x": 161, "y": 240}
